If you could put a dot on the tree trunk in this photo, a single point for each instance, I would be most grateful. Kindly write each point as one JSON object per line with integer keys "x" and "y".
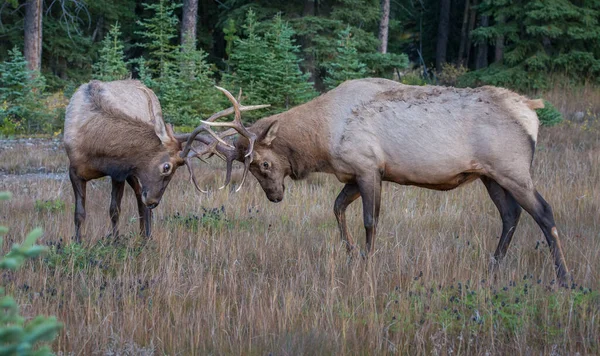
{"x": 470, "y": 30}
{"x": 189, "y": 21}
{"x": 384, "y": 26}
{"x": 33, "y": 34}
{"x": 309, "y": 8}
{"x": 482, "y": 48}
{"x": 442, "y": 39}
{"x": 463, "y": 34}
{"x": 499, "y": 43}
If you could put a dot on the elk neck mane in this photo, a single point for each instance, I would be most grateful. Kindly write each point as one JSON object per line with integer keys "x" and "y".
{"x": 302, "y": 138}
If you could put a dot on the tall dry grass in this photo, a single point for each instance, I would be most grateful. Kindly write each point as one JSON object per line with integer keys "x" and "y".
{"x": 232, "y": 273}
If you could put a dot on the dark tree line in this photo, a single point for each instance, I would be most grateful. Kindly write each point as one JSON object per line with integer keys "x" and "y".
{"x": 285, "y": 52}
{"x": 62, "y": 37}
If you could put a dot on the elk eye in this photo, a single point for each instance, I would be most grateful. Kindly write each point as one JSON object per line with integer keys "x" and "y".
{"x": 166, "y": 168}
{"x": 266, "y": 165}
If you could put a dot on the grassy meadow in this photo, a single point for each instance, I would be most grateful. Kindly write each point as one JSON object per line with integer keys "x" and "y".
{"x": 232, "y": 273}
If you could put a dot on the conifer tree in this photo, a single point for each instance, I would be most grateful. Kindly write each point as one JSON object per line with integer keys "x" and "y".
{"x": 540, "y": 38}
{"x": 111, "y": 64}
{"x": 158, "y": 33}
{"x": 346, "y": 65}
{"x": 289, "y": 85}
{"x": 251, "y": 63}
{"x": 267, "y": 68}
{"x": 186, "y": 88}
{"x": 21, "y": 95}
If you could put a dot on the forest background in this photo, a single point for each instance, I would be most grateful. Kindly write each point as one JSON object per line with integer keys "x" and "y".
{"x": 284, "y": 52}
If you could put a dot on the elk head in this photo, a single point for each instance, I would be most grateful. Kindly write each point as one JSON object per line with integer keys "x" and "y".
{"x": 270, "y": 164}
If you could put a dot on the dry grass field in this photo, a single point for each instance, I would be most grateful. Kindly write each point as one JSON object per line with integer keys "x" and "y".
{"x": 232, "y": 273}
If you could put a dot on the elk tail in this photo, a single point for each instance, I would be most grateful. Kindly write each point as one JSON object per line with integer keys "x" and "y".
{"x": 535, "y": 104}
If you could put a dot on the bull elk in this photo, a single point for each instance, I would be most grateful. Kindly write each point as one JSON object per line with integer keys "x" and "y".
{"x": 116, "y": 129}
{"x": 371, "y": 130}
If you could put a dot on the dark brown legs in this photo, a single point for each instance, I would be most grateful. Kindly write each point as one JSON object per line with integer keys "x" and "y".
{"x": 510, "y": 212}
{"x": 115, "y": 205}
{"x": 370, "y": 192}
{"x": 145, "y": 214}
{"x": 349, "y": 194}
{"x": 79, "y": 189}
{"x": 527, "y": 197}
{"x": 79, "y": 186}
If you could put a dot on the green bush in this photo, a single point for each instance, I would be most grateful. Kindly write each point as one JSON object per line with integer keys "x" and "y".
{"x": 21, "y": 108}
{"x": 111, "y": 64}
{"x": 18, "y": 336}
{"x": 549, "y": 115}
{"x": 347, "y": 63}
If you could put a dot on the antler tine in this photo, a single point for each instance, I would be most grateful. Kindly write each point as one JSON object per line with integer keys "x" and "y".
{"x": 237, "y": 122}
{"x": 247, "y": 162}
{"x": 188, "y": 164}
{"x": 227, "y": 151}
{"x": 228, "y": 172}
{"x": 209, "y": 121}
{"x": 211, "y": 150}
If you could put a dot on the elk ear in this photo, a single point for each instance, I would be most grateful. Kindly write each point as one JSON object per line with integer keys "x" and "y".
{"x": 270, "y": 134}
{"x": 164, "y": 134}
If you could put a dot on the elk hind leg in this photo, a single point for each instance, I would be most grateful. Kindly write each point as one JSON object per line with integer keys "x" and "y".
{"x": 115, "y": 205}
{"x": 510, "y": 212}
{"x": 528, "y": 197}
{"x": 348, "y": 194}
{"x": 145, "y": 213}
{"x": 79, "y": 189}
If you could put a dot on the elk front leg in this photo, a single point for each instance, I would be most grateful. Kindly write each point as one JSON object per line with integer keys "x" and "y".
{"x": 348, "y": 194}
{"x": 115, "y": 205}
{"x": 370, "y": 191}
{"x": 145, "y": 214}
{"x": 79, "y": 190}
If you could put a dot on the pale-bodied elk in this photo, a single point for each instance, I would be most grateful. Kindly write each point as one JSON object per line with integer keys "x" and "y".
{"x": 371, "y": 130}
{"x": 116, "y": 129}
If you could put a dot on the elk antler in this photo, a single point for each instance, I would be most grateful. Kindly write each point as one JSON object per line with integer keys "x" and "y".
{"x": 226, "y": 151}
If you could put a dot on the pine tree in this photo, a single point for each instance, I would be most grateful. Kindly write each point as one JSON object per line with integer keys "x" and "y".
{"x": 159, "y": 32}
{"x": 251, "y": 64}
{"x": 346, "y": 65}
{"x": 541, "y": 37}
{"x": 21, "y": 95}
{"x": 289, "y": 86}
{"x": 266, "y": 66}
{"x": 186, "y": 88}
{"x": 111, "y": 64}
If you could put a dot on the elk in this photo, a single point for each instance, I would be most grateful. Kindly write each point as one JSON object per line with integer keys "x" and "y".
{"x": 116, "y": 129}
{"x": 371, "y": 130}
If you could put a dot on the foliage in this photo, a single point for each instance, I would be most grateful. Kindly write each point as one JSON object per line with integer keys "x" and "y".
{"x": 549, "y": 115}
{"x": 158, "y": 33}
{"x": 290, "y": 86}
{"x": 286, "y": 50}
{"x": 450, "y": 74}
{"x": 266, "y": 66}
{"x": 18, "y": 337}
{"x": 53, "y": 205}
{"x": 541, "y": 38}
{"x": 111, "y": 64}
{"x": 186, "y": 88}
{"x": 21, "y": 94}
{"x": 347, "y": 64}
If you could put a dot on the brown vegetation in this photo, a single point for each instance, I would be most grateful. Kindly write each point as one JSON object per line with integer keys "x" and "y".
{"x": 232, "y": 273}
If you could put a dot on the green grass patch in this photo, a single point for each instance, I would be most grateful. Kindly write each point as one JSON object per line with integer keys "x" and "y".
{"x": 50, "y": 206}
